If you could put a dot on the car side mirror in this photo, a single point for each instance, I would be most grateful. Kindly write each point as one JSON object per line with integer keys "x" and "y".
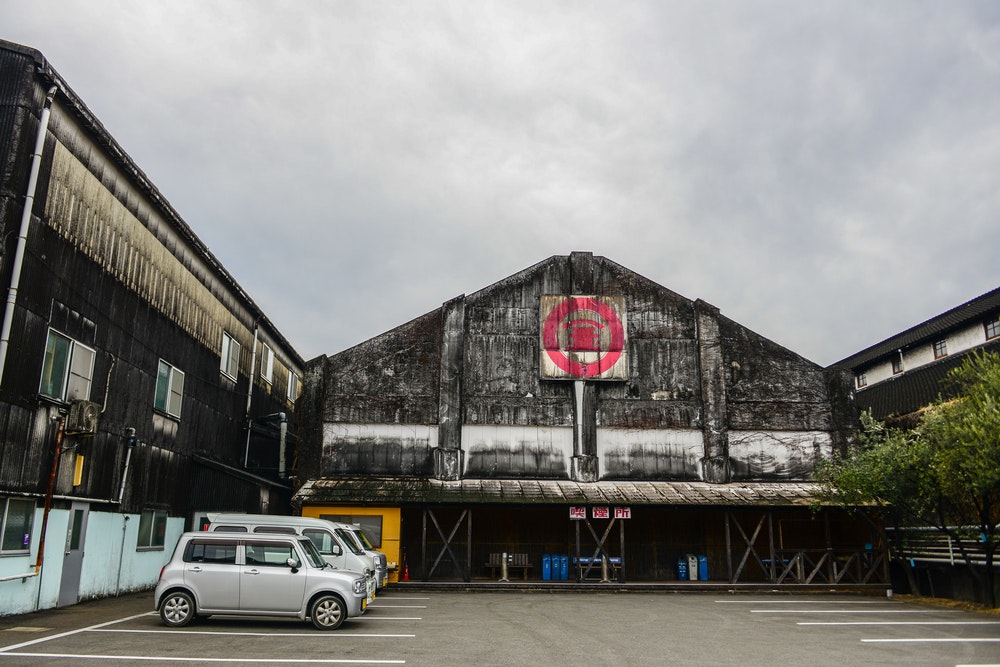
{"x": 336, "y": 550}
{"x": 292, "y": 563}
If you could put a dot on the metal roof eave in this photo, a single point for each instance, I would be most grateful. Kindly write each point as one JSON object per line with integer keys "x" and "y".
{"x": 422, "y": 491}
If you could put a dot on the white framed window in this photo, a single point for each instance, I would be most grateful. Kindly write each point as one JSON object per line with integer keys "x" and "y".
{"x": 230, "y": 356}
{"x": 67, "y": 368}
{"x": 992, "y": 328}
{"x": 267, "y": 363}
{"x": 940, "y": 349}
{"x": 16, "y": 518}
{"x": 293, "y": 386}
{"x": 152, "y": 530}
{"x": 169, "y": 389}
{"x": 862, "y": 380}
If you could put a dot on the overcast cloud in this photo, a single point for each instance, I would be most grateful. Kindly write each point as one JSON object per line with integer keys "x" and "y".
{"x": 826, "y": 173}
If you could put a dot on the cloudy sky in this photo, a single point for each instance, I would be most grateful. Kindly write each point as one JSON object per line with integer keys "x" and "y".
{"x": 826, "y": 173}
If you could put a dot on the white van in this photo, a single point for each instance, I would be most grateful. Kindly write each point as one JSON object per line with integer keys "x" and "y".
{"x": 381, "y": 563}
{"x": 336, "y": 544}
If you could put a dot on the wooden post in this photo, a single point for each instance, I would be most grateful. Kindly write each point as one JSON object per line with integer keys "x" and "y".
{"x": 729, "y": 551}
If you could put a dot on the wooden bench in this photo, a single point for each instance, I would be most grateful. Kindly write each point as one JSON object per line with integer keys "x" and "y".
{"x": 514, "y": 562}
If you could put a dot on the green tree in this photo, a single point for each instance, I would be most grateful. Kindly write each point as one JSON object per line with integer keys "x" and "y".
{"x": 943, "y": 473}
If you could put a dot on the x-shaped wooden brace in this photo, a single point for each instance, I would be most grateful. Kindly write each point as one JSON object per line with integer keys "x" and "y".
{"x": 751, "y": 550}
{"x": 446, "y": 547}
{"x": 600, "y": 541}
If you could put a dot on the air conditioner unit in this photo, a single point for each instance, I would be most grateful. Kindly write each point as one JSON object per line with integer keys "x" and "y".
{"x": 83, "y": 417}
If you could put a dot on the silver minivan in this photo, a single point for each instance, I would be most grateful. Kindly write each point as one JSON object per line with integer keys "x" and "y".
{"x": 238, "y": 574}
{"x": 381, "y": 562}
{"x": 337, "y": 547}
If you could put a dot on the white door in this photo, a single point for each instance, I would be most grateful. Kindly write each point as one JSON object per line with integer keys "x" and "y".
{"x": 76, "y": 533}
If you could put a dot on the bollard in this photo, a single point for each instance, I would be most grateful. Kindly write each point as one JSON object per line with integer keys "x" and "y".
{"x": 604, "y": 571}
{"x": 503, "y": 567}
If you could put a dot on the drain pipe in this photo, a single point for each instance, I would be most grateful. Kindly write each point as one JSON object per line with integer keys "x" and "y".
{"x": 282, "y": 473}
{"x": 130, "y": 442}
{"x": 22, "y": 238}
{"x": 253, "y": 369}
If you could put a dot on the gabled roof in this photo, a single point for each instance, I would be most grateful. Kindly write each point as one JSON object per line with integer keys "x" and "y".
{"x": 932, "y": 329}
{"x": 393, "y": 491}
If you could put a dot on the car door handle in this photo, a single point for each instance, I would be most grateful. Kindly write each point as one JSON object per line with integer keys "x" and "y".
{"x": 253, "y": 571}
{"x": 194, "y": 569}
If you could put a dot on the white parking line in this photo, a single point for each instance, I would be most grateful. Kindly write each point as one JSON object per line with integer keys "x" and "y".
{"x": 314, "y": 635}
{"x": 394, "y": 597}
{"x": 932, "y": 640}
{"x": 899, "y": 623}
{"x": 387, "y": 618}
{"x": 202, "y": 659}
{"x": 852, "y": 611}
{"x": 806, "y": 602}
{"x": 397, "y": 606}
{"x": 5, "y": 649}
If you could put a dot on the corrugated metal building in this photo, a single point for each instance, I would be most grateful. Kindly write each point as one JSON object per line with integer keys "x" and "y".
{"x": 577, "y": 408}
{"x": 141, "y": 386}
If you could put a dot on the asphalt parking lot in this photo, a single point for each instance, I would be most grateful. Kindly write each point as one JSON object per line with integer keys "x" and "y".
{"x": 524, "y": 628}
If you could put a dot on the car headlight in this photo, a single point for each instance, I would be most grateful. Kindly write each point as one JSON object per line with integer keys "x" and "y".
{"x": 360, "y": 587}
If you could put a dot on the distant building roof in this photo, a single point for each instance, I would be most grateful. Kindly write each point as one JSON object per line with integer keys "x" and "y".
{"x": 971, "y": 311}
{"x": 907, "y": 392}
{"x": 910, "y": 391}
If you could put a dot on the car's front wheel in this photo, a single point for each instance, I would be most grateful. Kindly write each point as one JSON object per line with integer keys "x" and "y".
{"x": 177, "y": 609}
{"x": 328, "y": 612}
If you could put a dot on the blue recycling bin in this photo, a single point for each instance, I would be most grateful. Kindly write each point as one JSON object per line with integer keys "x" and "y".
{"x": 703, "y": 568}
{"x": 546, "y": 567}
{"x": 564, "y": 567}
{"x": 682, "y": 568}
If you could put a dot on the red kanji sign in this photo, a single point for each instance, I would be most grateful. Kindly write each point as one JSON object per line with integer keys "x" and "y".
{"x": 578, "y": 512}
{"x": 623, "y": 512}
{"x": 600, "y": 513}
{"x": 583, "y": 337}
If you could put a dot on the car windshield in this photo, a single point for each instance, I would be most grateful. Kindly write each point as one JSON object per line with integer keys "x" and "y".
{"x": 351, "y": 541}
{"x": 360, "y": 534}
{"x": 312, "y": 553}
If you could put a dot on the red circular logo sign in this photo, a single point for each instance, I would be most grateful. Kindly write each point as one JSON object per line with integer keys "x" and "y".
{"x": 583, "y": 336}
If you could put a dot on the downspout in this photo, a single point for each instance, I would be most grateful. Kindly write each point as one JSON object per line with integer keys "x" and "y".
{"x": 22, "y": 239}
{"x": 253, "y": 367}
{"x": 56, "y": 455}
{"x": 282, "y": 473}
